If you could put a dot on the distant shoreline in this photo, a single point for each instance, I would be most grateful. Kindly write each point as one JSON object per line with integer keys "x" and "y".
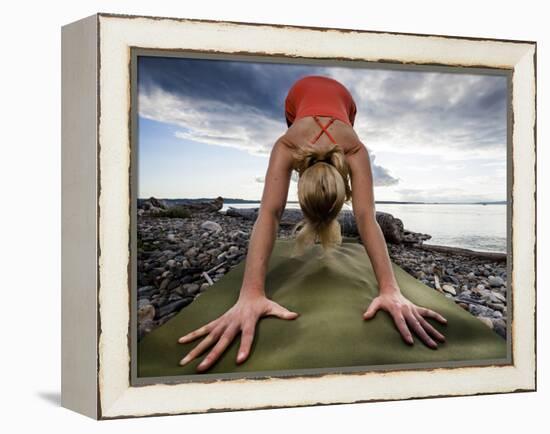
{"x": 395, "y": 202}
{"x": 447, "y": 233}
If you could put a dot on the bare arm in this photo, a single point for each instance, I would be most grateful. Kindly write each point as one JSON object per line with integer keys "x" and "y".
{"x": 365, "y": 216}
{"x": 264, "y": 231}
{"x": 404, "y": 313}
{"x": 252, "y": 303}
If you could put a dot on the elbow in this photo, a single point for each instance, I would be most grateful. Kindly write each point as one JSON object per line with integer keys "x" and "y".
{"x": 367, "y": 216}
{"x": 275, "y": 214}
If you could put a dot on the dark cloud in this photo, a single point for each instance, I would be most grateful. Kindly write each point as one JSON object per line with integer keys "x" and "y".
{"x": 436, "y": 109}
{"x": 241, "y": 104}
{"x": 260, "y": 86}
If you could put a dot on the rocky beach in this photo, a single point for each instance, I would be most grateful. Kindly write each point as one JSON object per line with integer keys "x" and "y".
{"x": 184, "y": 248}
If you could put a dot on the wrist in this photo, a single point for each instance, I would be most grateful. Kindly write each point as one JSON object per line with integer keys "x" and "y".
{"x": 249, "y": 293}
{"x": 389, "y": 289}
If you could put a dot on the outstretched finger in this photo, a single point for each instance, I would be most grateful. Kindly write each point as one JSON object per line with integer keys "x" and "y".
{"x": 401, "y": 324}
{"x": 218, "y": 349}
{"x": 199, "y": 349}
{"x": 430, "y": 328}
{"x": 372, "y": 309}
{"x": 431, "y": 314}
{"x": 417, "y": 327}
{"x": 189, "y": 337}
{"x": 247, "y": 337}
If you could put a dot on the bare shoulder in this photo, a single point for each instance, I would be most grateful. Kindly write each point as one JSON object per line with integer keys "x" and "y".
{"x": 355, "y": 147}
{"x": 358, "y": 159}
{"x": 353, "y": 143}
{"x": 281, "y": 153}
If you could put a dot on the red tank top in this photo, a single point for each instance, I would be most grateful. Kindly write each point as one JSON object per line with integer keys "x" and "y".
{"x": 322, "y": 96}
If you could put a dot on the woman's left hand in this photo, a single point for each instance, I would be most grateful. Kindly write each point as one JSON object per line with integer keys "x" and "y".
{"x": 406, "y": 314}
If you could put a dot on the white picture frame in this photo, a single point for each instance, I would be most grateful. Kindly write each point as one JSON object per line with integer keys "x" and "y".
{"x": 96, "y": 211}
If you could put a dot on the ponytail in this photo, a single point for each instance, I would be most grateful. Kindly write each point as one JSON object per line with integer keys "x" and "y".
{"x": 323, "y": 188}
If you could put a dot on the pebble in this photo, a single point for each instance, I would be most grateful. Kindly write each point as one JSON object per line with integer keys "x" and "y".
{"x": 146, "y": 313}
{"x": 499, "y": 297}
{"x": 495, "y": 281}
{"x": 211, "y": 226}
{"x": 449, "y": 288}
{"x": 487, "y": 321}
{"x": 192, "y": 288}
{"x": 191, "y": 253}
{"x": 500, "y": 326}
{"x": 173, "y": 306}
{"x": 477, "y": 310}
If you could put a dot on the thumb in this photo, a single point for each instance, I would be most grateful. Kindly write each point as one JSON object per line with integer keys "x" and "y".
{"x": 281, "y": 312}
{"x": 373, "y": 308}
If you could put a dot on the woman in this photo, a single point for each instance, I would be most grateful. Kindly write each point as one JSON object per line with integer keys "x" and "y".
{"x": 321, "y": 111}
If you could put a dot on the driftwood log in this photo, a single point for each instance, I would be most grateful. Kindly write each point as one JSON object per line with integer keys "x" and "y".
{"x": 209, "y": 205}
{"x": 493, "y": 256}
{"x": 392, "y": 227}
{"x": 154, "y": 205}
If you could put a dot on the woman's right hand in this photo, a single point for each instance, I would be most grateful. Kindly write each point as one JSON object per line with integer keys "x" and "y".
{"x": 241, "y": 317}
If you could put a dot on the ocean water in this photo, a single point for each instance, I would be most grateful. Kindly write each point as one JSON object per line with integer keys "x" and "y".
{"x": 477, "y": 227}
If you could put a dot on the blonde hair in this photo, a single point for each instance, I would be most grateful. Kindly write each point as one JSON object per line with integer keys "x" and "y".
{"x": 323, "y": 188}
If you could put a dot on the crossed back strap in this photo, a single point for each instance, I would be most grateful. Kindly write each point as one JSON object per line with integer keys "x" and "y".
{"x": 324, "y": 129}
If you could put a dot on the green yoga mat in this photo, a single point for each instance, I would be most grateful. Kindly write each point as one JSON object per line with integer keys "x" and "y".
{"x": 330, "y": 294}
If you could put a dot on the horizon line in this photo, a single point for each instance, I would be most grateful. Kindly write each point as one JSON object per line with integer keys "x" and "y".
{"x": 239, "y": 200}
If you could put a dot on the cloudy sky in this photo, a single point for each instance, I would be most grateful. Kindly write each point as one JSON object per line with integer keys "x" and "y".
{"x": 206, "y": 128}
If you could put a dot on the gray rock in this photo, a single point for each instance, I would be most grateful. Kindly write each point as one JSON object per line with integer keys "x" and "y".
{"x": 146, "y": 313}
{"x": 173, "y": 307}
{"x": 174, "y": 297}
{"x": 211, "y": 226}
{"x": 500, "y": 326}
{"x": 143, "y": 302}
{"x": 164, "y": 284}
{"x": 495, "y": 281}
{"x": 487, "y": 321}
{"x": 146, "y": 290}
{"x": 237, "y": 234}
{"x": 214, "y": 252}
{"x": 466, "y": 293}
{"x": 221, "y": 256}
{"x": 191, "y": 288}
{"x": 477, "y": 310}
{"x": 499, "y": 297}
{"x": 449, "y": 288}
{"x": 191, "y": 253}
{"x": 496, "y": 306}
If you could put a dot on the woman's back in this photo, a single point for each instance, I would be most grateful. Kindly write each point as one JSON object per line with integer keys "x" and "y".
{"x": 302, "y": 132}
{"x": 321, "y": 111}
